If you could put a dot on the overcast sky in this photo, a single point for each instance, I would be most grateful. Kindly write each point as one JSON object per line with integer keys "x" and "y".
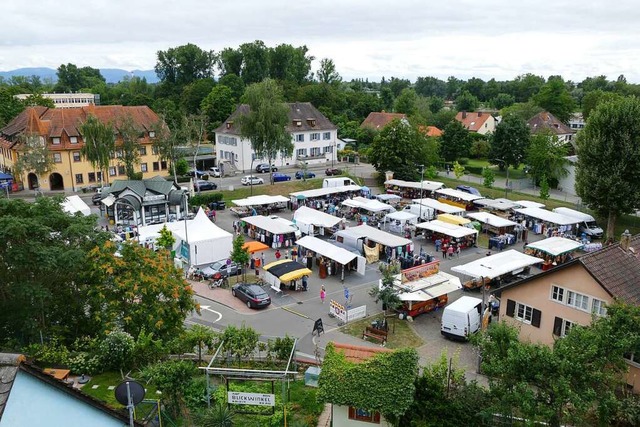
{"x": 365, "y": 38}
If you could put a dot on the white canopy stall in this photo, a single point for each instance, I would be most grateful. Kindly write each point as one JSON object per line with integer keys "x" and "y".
{"x": 529, "y": 204}
{"x": 440, "y": 207}
{"x": 369, "y": 205}
{"x": 411, "y": 189}
{"x": 312, "y": 222}
{"x": 396, "y": 221}
{"x": 493, "y": 223}
{"x": 457, "y": 198}
{"x": 261, "y": 202}
{"x": 355, "y": 237}
{"x": 565, "y": 224}
{"x": 464, "y": 235}
{"x": 73, "y": 204}
{"x": 558, "y": 248}
{"x": 339, "y": 255}
{"x": 507, "y": 263}
{"x": 203, "y": 242}
{"x": 270, "y": 231}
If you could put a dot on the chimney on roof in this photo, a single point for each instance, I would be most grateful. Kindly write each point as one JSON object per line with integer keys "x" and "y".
{"x": 479, "y": 114}
{"x": 464, "y": 115}
{"x": 625, "y": 240}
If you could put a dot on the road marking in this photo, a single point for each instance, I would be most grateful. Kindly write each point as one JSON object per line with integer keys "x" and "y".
{"x": 208, "y": 308}
{"x": 295, "y": 312}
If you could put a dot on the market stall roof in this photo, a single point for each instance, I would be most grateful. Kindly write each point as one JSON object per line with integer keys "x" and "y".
{"x": 73, "y": 204}
{"x": 555, "y": 246}
{"x": 287, "y": 270}
{"x": 449, "y": 229}
{"x": 319, "y": 219}
{"x": 453, "y": 219}
{"x": 271, "y": 225}
{"x": 426, "y": 185}
{"x": 199, "y": 229}
{"x": 320, "y": 192}
{"x": 401, "y": 216}
{"x": 439, "y": 206}
{"x": 458, "y": 194}
{"x": 253, "y": 247}
{"x": 388, "y": 197}
{"x": 379, "y": 236}
{"x": 548, "y": 216}
{"x": 326, "y": 249}
{"x": 493, "y": 266}
{"x": 499, "y": 204}
{"x": 368, "y": 204}
{"x": 429, "y": 287}
{"x": 261, "y": 199}
{"x": 529, "y": 204}
{"x": 5, "y": 176}
{"x": 491, "y": 219}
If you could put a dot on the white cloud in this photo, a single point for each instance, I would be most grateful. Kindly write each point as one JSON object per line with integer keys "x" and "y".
{"x": 465, "y": 38}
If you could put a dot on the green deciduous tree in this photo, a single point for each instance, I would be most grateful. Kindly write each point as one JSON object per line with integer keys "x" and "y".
{"x": 555, "y": 98}
{"x": 458, "y": 169}
{"x": 129, "y": 145}
{"x": 218, "y": 105}
{"x": 546, "y": 157}
{"x": 265, "y": 123}
{"x": 455, "y": 141}
{"x": 116, "y": 350}
{"x": 544, "y": 188}
{"x": 10, "y": 106}
{"x": 400, "y": 147}
{"x": 327, "y": 72}
{"x": 233, "y": 82}
{"x": 503, "y": 100}
{"x": 34, "y": 155}
{"x": 240, "y": 255}
{"x": 510, "y": 142}
{"x": 436, "y": 104}
{"x": 466, "y": 102}
{"x": 165, "y": 239}
{"x": 386, "y": 293}
{"x": 137, "y": 289}
{"x": 592, "y": 99}
{"x": 166, "y": 143}
{"x": 524, "y": 110}
{"x": 200, "y": 336}
{"x": 608, "y": 168}
{"x": 406, "y": 102}
{"x": 488, "y": 177}
{"x": 72, "y": 79}
{"x": 99, "y": 143}
{"x": 173, "y": 378}
{"x": 194, "y": 93}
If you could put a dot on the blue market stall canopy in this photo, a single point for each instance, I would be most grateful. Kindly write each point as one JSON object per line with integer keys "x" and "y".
{"x": 5, "y": 176}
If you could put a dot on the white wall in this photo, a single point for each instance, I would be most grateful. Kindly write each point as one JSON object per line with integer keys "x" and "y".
{"x": 568, "y": 183}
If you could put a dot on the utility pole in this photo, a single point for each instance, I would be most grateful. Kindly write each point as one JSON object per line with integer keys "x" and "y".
{"x": 421, "y": 196}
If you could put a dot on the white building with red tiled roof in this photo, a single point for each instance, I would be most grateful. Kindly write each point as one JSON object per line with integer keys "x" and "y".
{"x": 480, "y": 122}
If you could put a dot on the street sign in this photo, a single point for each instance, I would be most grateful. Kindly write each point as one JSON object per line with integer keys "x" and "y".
{"x": 256, "y": 399}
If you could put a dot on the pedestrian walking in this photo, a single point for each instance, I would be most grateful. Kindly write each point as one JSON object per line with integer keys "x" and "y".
{"x": 438, "y": 244}
{"x": 286, "y": 254}
{"x": 323, "y": 294}
{"x": 278, "y": 254}
{"x": 262, "y": 259}
{"x": 444, "y": 251}
{"x": 304, "y": 283}
{"x": 458, "y": 251}
{"x": 294, "y": 254}
{"x": 450, "y": 251}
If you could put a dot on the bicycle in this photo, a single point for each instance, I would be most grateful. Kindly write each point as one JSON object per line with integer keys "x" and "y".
{"x": 221, "y": 282}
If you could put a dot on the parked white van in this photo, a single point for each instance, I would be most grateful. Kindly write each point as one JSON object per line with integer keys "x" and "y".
{"x": 587, "y": 222}
{"x": 337, "y": 182}
{"x": 461, "y": 318}
{"x": 424, "y": 213}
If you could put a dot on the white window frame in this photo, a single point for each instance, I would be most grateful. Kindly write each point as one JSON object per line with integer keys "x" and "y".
{"x": 315, "y": 136}
{"x": 301, "y": 152}
{"x": 55, "y": 140}
{"x": 566, "y": 327}
{"x": 73, "y": 139}
{"x": 112, "y": 171}
{"x": 152, "y": 134}
{"x": 598, "y": 307}
{"x": 527, "y": 313}
{"x": 300, "y": 137}
{"x": 577, "y": 300}
{"x": 558, "y": 293}
{"x": 326, "y": 136}
{"x": 144, "y": 167}
{"x": 57, "y": 157}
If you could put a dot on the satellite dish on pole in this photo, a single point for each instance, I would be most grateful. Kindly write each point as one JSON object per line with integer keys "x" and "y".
{"x": 129, "y": 393}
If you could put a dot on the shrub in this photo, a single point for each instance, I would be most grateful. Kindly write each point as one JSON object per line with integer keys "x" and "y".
{"x": 475, "y": 170}
{"x": 117, "y": 350}
{"x": 205, "y": 199}
{"x": 182, "y": 167}
{"x": 480, "y": 149}
{"x": 52, "y": 353}
{"x": 463, "y": 161}
{"x": 84, "y": 363}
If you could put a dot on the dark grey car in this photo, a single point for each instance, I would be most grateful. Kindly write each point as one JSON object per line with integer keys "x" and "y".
{"x": 253, "y": 295}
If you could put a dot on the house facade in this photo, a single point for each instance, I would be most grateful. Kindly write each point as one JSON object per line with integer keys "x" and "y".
{"x": 67, "y": 100}
{"x": 546, "y": 306}
{"x": 378, "y": 120}
{"x": 59, "y": 129}
{"x": 546, "y": 122}
{"x": 315, "y": 140}
{"x": 477, "y": 121}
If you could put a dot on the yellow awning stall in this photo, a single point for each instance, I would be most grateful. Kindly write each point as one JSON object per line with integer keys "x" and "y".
{"x": 453, "y": 219}
{"x": 285, "y": 270}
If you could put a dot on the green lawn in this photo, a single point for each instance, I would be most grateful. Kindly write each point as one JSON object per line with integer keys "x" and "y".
{"x": 102, "y": 392}
{"x": 513, "y": 173}
{"x": 401, "y": 333}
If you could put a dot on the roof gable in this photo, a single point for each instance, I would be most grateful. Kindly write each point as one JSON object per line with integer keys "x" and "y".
{"x": 547, "y": 122}
{"x": 473, "y": 121}
{"x": 378, "y": 120}
{"x": 430, "y": 131}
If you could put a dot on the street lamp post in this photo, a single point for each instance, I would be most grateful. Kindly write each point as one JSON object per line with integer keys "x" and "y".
{"x": 421, "y": 197}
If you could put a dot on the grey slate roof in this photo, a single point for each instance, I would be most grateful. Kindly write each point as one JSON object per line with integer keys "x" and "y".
{"x": 157, "y": 184}
{"x": 304, "y": 112}
{"x": 545, "y": 121}
{"x": 9, "y": 365}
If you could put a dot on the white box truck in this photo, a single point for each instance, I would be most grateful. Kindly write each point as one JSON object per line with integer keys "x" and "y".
{"x": 424, "y": 213}
{"x": 587, "y": 223}
{"x": 461, "y": 318}
{"x": 337, "y": 182}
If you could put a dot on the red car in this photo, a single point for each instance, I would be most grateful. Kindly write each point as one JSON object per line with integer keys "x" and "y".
{"x": 333, "y": 171}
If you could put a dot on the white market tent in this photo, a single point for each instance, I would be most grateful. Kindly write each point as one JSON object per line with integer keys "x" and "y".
{"x": 529, "y": 204}
{"x": 353, "y": 234}
{"x": 491, "y": 219}
{"x": 446, "y": 228}
{"x": 388, "y": 197}
{"x": 439, "y": 206}
{"x": 402, "y": 216}
{"x": 497, "y": 265}
{"x": 427, "y": 288}
{"x": 496, "y": 204}
{"x": 369, "y": 205}
{"x": 548, "y": 216}
{"x": 73, "y": 204}
{"x": 271, "y": 225}
{"x": 207, "y": 242}
{"x": 425, "y": 185}
{"x": 261, "y": 199}
{"x": 320, "y": 192}
{"x": 308, "y": 219}
{"x": 457, "y": 194}
{"x": 326, "y": 249}
{"x": 581, "y": 216}
{"x": 555, "y": 246}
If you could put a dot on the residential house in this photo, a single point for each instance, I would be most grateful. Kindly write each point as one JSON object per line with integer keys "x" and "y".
{"x": 430, "y": 131}
{"x": 144, "y": 202}
{"x": 378, "y": 120}
{"x": 315, "y": 139}
{"x": 576, "y": 122}
{"x": 546, "y": 122}
{"x": 67, "y": 100}
{"x": 31, "y": 397}
{"x": 477, "y": 121}
{"x": 59, "y": 129}
{"x": 545, "y": 306}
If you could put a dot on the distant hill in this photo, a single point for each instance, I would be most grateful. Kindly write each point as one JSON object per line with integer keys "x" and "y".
{"x": 112, "y": 75}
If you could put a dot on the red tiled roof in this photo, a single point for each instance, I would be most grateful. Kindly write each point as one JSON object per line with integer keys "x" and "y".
{"x": 377, "y": 121}
{"x": 545, "y": 121}
{"x": 472, "y": 121}
{"x": 358, "y": 353}
{"x": 430, "y": 131}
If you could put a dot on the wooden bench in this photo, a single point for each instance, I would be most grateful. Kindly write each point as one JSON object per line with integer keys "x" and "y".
{"x": 376, "y": 334}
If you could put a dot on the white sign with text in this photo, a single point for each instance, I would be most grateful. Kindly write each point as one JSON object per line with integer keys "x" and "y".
{"x": 259, "y": 399}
